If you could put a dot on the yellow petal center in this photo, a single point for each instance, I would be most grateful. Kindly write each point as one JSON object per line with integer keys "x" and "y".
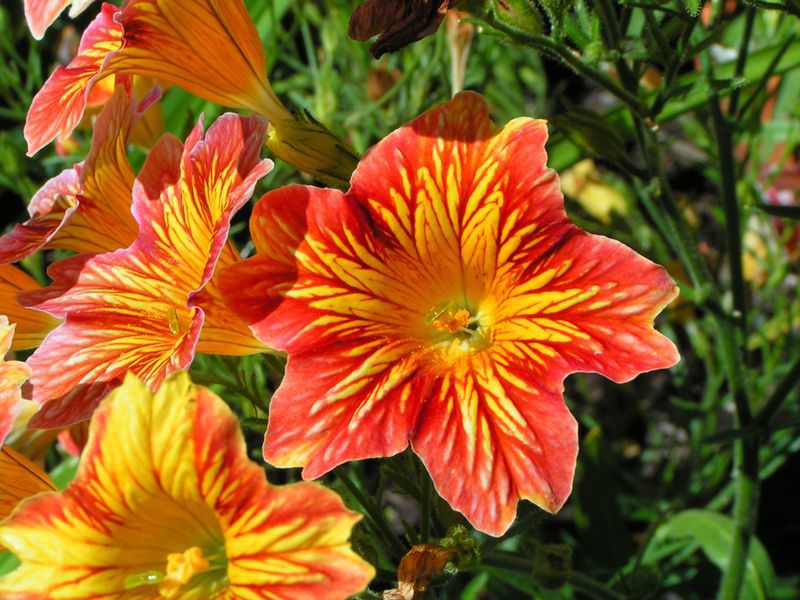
{"x": 452, "y": 322}
{"x": 456, "y": 328}
{"x": 180, "y": 570}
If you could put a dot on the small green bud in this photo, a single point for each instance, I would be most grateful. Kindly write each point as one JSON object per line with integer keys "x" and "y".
{"x": 552, "y": 564}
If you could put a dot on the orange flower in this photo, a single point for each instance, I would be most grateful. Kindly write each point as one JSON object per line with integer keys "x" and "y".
{"x": 139, "y": 308}
{"x": 208, "y": 47}
{"x": 442, "y": 301}
{"x": 174, "y": 509}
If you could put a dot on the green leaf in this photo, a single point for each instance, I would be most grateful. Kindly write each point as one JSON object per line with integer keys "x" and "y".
{"x": 519, "y": 581}
{"x": 787, "y": 212}
{"x": 713, "y": 533}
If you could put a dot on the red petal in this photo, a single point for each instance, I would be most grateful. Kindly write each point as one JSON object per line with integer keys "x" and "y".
{"x": 59, "y": 105}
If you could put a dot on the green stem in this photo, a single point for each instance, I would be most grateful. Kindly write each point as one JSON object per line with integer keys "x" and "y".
{"x": 777, "y": 398}
{"x": 741, "y": 59}
{"x": 426, "y": 501}
{"x": 762, "y": 83}
{"x": 561, "y": 52}
{"x": 373, "y": 512}
{"x": 730, "y": 202}
{"x": 745, "y": 511}
{"x": 746, "y": 450}
{"x": 593, "y": 588}
{"x": 580, "y": 582}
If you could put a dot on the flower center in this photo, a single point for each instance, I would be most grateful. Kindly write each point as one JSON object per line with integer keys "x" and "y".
{"x": 452, "y": 322}
{"x": 183, "y": 568}
{"x": 180, "y": 570}
{"x": 456, "y": 324}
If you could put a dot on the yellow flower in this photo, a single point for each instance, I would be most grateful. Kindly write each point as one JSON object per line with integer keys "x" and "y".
{"x": 166, "y": 504}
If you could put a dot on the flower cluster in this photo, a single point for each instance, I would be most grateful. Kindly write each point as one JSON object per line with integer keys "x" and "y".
{"x": 440, "y": 302}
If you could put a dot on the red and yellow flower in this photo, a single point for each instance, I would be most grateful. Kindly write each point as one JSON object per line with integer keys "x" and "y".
{"x": 174, "y": 509}
{"x": 86, "y": 208}
{"x": 442, "y": 300}
{"x": 208, "y": 47}
{"x": 142, "y": 308}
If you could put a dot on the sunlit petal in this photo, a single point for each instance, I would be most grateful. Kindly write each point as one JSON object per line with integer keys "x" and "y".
{"x": 174, "y": 508}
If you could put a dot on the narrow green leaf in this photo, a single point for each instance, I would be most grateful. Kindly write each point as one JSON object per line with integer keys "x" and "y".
{"x": 713, "y": 533}
{"x": 787, "y": 212}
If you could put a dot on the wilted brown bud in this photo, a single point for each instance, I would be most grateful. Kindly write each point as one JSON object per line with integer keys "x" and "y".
{"x": 422, "y": 563}
{"x": 397, "y": 23}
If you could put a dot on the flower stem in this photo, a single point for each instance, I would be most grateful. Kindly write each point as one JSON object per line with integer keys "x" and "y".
{"x": 777, "y": 398}
{"x": 560, "y": 52}
{"x": 374, "y": 512}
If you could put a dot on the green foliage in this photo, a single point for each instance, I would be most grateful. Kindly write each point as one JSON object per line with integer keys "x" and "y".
{"x": 690, "y": 111}
{"x": 713, "y": 534}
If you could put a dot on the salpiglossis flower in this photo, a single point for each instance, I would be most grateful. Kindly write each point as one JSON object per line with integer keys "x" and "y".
{"x": 443, "y": 300}
{"x": 209, "y": 47}
{"x": 142, "y": 308}
{"x": 174, "y": 509}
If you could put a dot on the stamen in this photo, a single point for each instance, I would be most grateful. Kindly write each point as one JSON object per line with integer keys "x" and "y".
{"x": 180, "y": 570}
{"x": 452, "y": 322}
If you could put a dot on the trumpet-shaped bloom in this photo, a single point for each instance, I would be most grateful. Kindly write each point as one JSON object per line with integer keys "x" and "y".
{"x": 86, "y": 208}
{"x": 40, "y": 14}
{"x": 12, "y": 375}
{"x": 136, "y": 309}
{"x": 443, "y": 300}
{"x": 31, "y": 326}
{"x": 174, "y": 509}
{"x": 208, "y": 47}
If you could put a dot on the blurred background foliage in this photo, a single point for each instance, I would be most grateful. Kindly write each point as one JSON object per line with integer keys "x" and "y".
{"x": 674, "y": 128}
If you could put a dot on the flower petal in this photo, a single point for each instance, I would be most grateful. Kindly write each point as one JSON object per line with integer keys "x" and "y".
{"x": 224, "y": 332}
{"x": 399, "y": 22}
{"x": 588, "y": 306}
{"x": 490, "y": 437}
{"x": 12, "y": 375}
{"x": 21, "y": 479}
{"x": 180, "y": 478}
{"x": 59, "y": 105}
{"x": 86, "y": 208}
{"x": 31, "y": 326}
{"x": 133, "y": 309}
{"x": 50, "y": 208}
{"x": 41, "y": 13}
{"x": 209, "y": 47}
